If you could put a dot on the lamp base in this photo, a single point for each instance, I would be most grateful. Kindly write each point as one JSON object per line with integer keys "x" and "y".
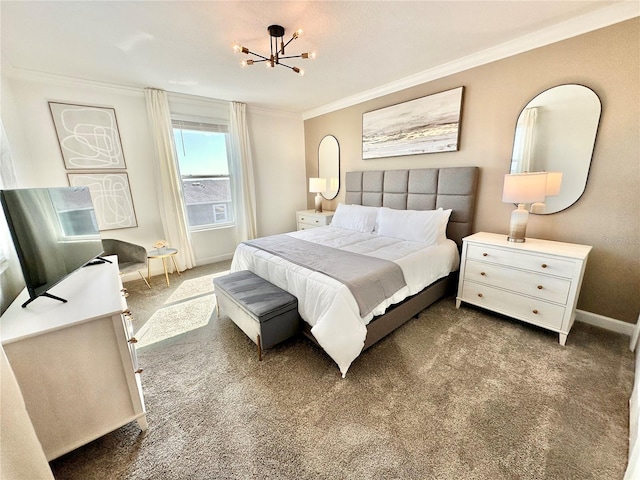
{"x": 518, "y": 225}
{"x": 318, "y": 200}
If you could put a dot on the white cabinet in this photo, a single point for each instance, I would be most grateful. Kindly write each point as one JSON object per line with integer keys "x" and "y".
{"x": 75, "y": 362}
{"x": 306, "y": 219}
{"x": 537, "y": 281}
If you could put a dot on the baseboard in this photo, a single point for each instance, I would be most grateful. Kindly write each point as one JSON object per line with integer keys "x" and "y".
{"x": 605, "y": 322}
{"x": 216, "y": 259}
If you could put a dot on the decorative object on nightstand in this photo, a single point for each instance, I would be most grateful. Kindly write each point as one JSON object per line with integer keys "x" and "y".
{"x": 537, "y": 282}
{"x": 528, "y": 188}
{"x": 317, "y": 186}
{"x": 306, "y": 219}
{"x": 522, "y": 188}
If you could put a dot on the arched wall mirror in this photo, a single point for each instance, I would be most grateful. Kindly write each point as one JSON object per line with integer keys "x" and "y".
{"x": 556, "y": 132}
{"x": 329, "y": 165}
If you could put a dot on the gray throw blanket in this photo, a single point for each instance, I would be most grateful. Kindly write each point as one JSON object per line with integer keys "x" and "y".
{"x": 371, "y": 280}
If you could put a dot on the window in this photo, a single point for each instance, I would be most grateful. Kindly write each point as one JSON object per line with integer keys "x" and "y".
{"x": 201, "y": 150}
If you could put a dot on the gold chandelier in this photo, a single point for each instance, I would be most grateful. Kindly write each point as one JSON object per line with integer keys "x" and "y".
{"x": 276, "y": 32}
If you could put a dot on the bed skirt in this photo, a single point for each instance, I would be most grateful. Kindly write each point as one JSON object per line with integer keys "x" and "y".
{"x": 397, "y": 315}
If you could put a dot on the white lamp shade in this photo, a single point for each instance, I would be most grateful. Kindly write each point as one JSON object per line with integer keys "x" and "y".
{"x": 524, "y": 187}
{"x": 554, "y": 180}
{"x": 317, "y": 185}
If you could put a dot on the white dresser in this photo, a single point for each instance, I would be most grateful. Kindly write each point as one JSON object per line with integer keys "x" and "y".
{"x": 306, "y": 219}
{"x": 537, "y": 281}
{"x": 75, "y": 362}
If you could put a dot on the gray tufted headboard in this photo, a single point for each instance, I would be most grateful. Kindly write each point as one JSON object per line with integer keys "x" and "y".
{"x": 420, "y": 189}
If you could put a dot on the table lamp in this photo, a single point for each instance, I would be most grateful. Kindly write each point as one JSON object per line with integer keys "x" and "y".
{"x": 317, "y": 185}
{"x": 522, "y": 188}
{"x": 554, "y": 181}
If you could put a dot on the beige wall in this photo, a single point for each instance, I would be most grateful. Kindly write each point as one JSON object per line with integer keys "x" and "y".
{"x": 607, "y": 216}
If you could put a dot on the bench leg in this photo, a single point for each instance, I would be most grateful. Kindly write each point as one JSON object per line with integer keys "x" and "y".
{"x": 259, "y": 349}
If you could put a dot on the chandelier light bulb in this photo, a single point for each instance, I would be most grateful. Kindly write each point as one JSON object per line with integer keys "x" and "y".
{"x": 237, "y": 48}
{"x": 311, "y": 55}
{"x": 299, "y": 71}
{"x": 298, "y": 33}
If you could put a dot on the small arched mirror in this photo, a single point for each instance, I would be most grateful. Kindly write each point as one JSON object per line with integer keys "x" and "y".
{"x": 556, "y": 132}
{"x": 329, "y": 165}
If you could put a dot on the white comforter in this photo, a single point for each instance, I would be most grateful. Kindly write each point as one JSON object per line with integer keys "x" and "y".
{"x": 328, "y": 305}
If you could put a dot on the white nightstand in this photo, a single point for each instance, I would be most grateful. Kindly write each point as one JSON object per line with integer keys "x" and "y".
{"x": 537, "y": 281}
{"x": 306, "y": 219}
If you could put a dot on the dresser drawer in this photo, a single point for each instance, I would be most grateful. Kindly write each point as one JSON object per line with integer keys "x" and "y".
{"x": 514, "y": 305}
{"x": 313, "y": 220}
{"x": 310, "y": 219}
{"x": 548, "y": 288}
{"x": 536, "y": 263}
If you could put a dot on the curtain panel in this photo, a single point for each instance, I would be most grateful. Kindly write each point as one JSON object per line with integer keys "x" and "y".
{"x": 243, "y": 184}
{"x": 169, "y": 194}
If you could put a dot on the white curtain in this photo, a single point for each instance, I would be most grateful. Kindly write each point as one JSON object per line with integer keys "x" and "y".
{"x": 7, "y": 180}
{"x": 527, "y": 138}
{"x": 243, "y": 187}
{"x": 169, "y": 194}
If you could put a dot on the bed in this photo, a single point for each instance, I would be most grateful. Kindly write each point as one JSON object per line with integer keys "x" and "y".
{"x": 333, "y": 317}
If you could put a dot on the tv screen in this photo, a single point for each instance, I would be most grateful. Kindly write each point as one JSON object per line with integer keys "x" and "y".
{"x": 54, "y": 231}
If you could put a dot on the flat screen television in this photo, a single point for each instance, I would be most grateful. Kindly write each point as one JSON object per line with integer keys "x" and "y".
{"x": 54, "y": 231}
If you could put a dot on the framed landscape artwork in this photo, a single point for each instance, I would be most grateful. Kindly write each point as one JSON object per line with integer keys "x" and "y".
{"x": 111, "y": 197}
{"x": 88, "y": 136}
{"x": 424, "y": 125}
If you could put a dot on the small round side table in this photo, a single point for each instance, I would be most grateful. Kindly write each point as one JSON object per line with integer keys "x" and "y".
{"x": 163, "y": 254}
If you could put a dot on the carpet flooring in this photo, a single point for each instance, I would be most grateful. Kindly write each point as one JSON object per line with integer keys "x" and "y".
{"x": 453, "y": 394}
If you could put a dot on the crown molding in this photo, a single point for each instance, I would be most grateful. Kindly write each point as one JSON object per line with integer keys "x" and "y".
{"x": 12, "y": 72}
{"x": 53, "y": 78}
{"x": 272, "y": 112}
{"x": 605, "y": 17}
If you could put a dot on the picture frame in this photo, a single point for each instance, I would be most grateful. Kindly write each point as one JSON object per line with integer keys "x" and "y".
{"x": 428, "y": 124}
{"x": 111, "y": 195}
{"x": 88, "y": 136}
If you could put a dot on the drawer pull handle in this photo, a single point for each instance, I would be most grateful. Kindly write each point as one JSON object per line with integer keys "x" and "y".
{"x": 539, "y": 287}
{"x": 140, "y": 370}
{"x": 482, "y": 273}
{"x": 302, "y": 219}
{"x": 317, "y": 221}
{"x": 485, "y": 254}
{"x": 133, "y": 340}
{"x": 480, "y": 295}
{"x": 544, "y": 265}
{"x": 535, "y": 312}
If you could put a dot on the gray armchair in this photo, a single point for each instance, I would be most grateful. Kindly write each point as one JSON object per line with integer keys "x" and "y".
{"x": 131, "y": 257}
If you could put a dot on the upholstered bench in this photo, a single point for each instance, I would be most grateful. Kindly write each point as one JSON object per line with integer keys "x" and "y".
{"x": 266, "y": 313}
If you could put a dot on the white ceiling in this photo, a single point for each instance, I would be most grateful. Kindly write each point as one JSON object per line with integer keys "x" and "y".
{"x": 185, "y": 46}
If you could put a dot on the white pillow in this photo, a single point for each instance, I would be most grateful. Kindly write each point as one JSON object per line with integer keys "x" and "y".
{"x": 355, "y": 217}
{"x": 425, "y": 226}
